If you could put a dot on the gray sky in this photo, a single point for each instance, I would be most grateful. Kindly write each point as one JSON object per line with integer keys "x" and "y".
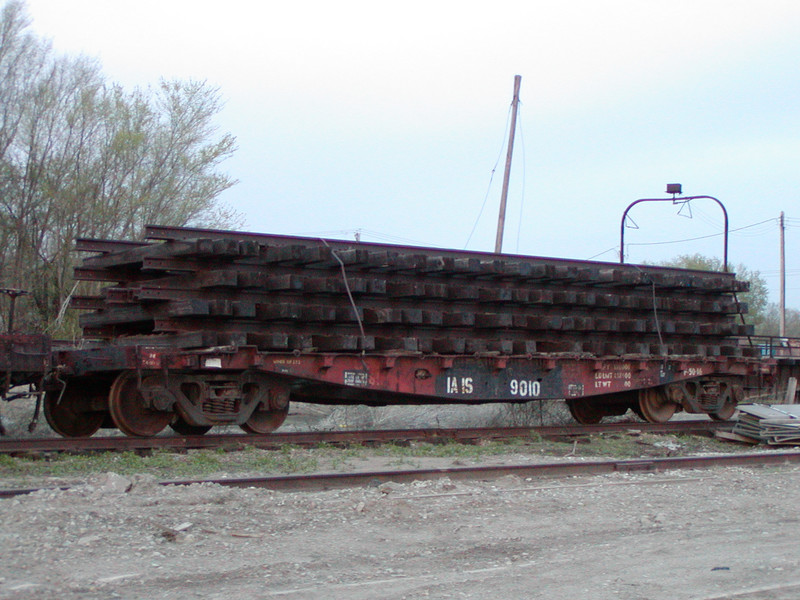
{"x": 388, "y": 117}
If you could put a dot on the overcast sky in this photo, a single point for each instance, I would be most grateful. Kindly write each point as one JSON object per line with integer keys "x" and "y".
{"x": 388, "y": 118}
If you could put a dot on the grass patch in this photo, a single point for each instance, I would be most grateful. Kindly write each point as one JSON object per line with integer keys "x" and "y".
{"x": 288, "y": 459}
{"x": 453, "y": 449}
{"x": 161, "y": 463}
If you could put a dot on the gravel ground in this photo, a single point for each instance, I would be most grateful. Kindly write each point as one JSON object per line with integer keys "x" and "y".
{"x": 712, "y": 534}
{"x": 722, "y": 533}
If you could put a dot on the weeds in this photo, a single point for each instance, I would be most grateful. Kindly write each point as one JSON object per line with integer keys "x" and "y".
{"x": 452, "y": 449}
{"x": 326, "y": 457}
{"x": 287, "y": 459}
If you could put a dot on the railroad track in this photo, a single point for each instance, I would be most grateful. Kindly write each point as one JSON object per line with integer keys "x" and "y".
{"x": 325, "y": 481}
{"x": 177, "y": 442}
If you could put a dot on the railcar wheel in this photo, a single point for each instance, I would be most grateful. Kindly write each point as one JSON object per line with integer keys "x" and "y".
{"x": 63, "y": 414}
{"x": 273, "y": 404}
{"x": 723, "y": 414}
{"x": 655, "y": 406}
{"x": 585, "y": 412}
{"x": 179, "y": 425}
{"x": 265, "y": 421}
{"x": 729, "y": 403}
{"x": 129, "y": 412}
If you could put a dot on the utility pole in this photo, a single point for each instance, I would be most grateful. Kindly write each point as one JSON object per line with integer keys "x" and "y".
{"x": 782, "y": 329}
{"x": 501, "y": 220}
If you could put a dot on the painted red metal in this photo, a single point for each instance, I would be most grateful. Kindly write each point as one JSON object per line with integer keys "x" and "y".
{"x": 239, "y": 323}
{"x": 384, "y": 378}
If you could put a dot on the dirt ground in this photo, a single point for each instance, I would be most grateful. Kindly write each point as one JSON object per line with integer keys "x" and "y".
{"x": 721, "y": 533}
{"x": 706, "y": 534}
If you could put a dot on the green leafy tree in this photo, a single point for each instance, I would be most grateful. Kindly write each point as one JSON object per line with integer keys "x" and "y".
{"x": 756, "y": 298}
{"x": 83, "y": 157}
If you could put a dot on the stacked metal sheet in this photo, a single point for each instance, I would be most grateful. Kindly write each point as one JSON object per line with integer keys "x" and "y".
{"x": 192, "y": 287}
{"x": 775, "y": 424}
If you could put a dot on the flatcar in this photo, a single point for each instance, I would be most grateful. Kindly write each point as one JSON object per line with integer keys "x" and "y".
{"x": 196, "y": 328}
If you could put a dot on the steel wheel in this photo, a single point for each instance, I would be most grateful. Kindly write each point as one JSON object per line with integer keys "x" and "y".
{"x": 655, "y": 406}
{"x": 585, "y": 412}
{"x": 265, "y": 421}
{"x": 273, "y": 404}
{"x": 725, "y": 413}
{"x": 729, "y": 403}
{"x": 128, "y": 409}
{"x": 64, "y": 414}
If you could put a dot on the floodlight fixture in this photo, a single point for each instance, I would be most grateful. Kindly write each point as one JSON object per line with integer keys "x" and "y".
{"x": 674, "y": 188}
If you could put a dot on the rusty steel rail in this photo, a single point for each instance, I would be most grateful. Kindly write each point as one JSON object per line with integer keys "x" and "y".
{"x": 326, "y": 481}
{"x": 176, "y": 442}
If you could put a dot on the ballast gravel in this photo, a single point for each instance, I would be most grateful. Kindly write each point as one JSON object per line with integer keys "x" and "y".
{"x": 710, "y": 534}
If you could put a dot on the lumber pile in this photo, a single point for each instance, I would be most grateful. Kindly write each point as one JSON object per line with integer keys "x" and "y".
{"x": 193, "y": 288}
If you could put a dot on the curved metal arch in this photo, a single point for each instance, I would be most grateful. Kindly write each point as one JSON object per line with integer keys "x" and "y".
{"x": 674, "y": 201}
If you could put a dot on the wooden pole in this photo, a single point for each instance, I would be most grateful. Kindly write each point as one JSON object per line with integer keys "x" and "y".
{"x": 501, "y": 220}
{"x": 782, "y": 328}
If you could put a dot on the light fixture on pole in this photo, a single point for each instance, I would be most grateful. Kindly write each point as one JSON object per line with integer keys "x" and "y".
{"x": 675, "y": 189}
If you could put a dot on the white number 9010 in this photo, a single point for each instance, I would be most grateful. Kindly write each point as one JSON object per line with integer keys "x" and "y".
{"x": 525, "y": 388}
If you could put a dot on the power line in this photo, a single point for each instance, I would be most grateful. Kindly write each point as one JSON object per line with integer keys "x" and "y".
{"x": 522, "y": 203}
{"x": 702, "y": 237}
{"x": 772, "y": 273}
{"x": 491, "y": 177}
{"x": 705, "y": 217}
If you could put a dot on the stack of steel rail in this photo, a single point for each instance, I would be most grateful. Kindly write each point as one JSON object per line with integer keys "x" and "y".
{"x": 776, "y": 424}
{"x": 191, "y": 288}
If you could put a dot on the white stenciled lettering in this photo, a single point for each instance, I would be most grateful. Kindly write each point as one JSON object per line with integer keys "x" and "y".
{"x": 459, "y": 385}
{"x": 525, "y": 388}
{"x": 356, "y": 378}
{"x": 693, "y": 372}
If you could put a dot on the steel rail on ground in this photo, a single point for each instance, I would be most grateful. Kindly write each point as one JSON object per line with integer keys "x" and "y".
{"x": 327, "y": 481}
{"x": 311, "y": 438}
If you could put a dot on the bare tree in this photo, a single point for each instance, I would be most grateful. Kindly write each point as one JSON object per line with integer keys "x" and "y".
{"x": 80, "y": 156}
{"x": 771, "y": 322}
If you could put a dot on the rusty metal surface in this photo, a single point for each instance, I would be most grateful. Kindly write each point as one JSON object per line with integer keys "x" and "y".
{"x": 524, "y": 471}
{"x": 776, "y": 424}
{"x": 25, "y": 358}
{"x": 326, "y": 321}
{"x": 282, "y": 293}
{"x": 24, "y": 352}
{"x": 345, "y": 322}
{"x": 176, "y": 442}
{"x": 376, "y": 379}
{"x": 343, "y": 318}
